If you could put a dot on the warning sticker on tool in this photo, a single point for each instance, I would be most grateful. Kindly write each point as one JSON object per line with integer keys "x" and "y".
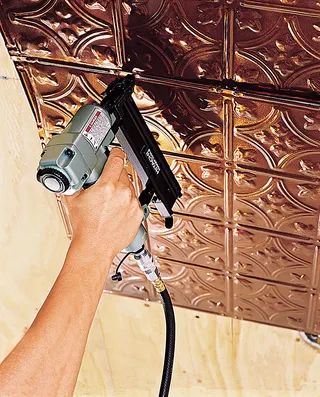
{"x": 96, "y": 128}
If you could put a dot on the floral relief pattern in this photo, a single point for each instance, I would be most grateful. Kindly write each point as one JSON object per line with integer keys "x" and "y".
{"x": 60, "y": 29}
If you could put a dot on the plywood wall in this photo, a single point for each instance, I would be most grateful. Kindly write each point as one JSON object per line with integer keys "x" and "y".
{"x": 32, "y": 238}
{"x": 216, "y": 356}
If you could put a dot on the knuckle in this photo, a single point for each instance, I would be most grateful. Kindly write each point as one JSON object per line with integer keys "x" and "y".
{"x": 109, "y": 188}
{"x": 126, "y": 193}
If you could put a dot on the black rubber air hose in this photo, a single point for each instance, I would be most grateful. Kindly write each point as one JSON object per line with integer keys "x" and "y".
{"x": 170, "y": 344}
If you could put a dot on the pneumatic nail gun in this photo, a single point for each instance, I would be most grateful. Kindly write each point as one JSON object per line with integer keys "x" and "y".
{"x": 75, "y": 159}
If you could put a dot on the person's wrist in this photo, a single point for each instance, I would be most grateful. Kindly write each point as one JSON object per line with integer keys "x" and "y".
{"x": 91, "y": 252}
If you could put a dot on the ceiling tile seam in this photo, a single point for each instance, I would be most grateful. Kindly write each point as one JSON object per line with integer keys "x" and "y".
{"x": 193, "y": 217}
{"x": 276, "y": 173}
{"x": 275, "y": 233}
{"x": 236, "y": 166}
{"x": 233, "y": 274}
{"x": 30, "y": 94}
{"x": 303, "y": 101}
{"x": 228, "y": 43}
{"x": 232, "y": 89}
{"x": 213, "y": 86}
{"x": 228, "y": 197}
{"x": 228, "y": 133}
{"x": 234, "y": 225}
{"x": 315, "y": 269}
{"x": 311, "y": 315}
{"x": 189, "y": 265}
{"x": 229, "y": 88}
{"x": 281, "y": 8}
{"x": 118, "y": 30}
{"x": 273, "y": 282}
{"x": 81, "y": 66}
{"x": 318, "y": 227}
{"x": 229, "y": 251}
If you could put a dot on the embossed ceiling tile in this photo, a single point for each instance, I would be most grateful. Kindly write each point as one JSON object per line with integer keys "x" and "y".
{"x": 277, "y": 204}
{"x": 194, "y": 241}
{"x": 194, "y": 287}
{"x": 304, "y": 125}
{"x": 59, "y": 92}
{"x": 174, "y": 37}
{"x": 305, "y": 194}
{"x": 277, "y": 48}
{"x": 180, "y": 120}
{"x": 273, "y": 258}
{"x": 183, "y": 120}
{"x": 286, "y": 139}
{"x": 134, "y": 283}
{"x": 270, "y": 303}
{"x": 202, "y": 188}
{"x": 79, "y": 31}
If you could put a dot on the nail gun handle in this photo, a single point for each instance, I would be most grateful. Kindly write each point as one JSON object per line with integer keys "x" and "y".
{"x": 138, "y": 241}
{"x": 141, "y": 236}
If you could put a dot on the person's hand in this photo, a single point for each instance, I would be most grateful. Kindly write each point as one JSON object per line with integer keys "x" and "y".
{"x": 106, "y": 216}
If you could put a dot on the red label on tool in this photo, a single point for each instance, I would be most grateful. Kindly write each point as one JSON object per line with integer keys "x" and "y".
{"x": 94, "y": 119}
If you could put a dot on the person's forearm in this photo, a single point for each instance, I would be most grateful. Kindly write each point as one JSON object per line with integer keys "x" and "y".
{"x": 48, "y": 358}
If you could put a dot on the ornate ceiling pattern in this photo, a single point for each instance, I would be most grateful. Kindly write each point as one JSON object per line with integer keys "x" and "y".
{"x": 231, "y": 92}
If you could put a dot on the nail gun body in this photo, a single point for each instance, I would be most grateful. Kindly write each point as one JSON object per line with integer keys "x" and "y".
{"x": 75, "y": 158}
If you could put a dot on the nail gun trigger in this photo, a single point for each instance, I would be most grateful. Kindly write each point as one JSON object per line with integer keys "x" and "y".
{"x": 106, "y": 151}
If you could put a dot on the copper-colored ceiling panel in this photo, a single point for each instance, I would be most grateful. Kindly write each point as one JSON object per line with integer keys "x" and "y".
{"x": 191, "y": 240}
{"x": 202, "y": 188}
{"x": 229, "y": 91}
{"x": 72, "y": 31}
{"x": 58, "y": 92}
{"x": 184, "y": 119}
{"x": 277, "y": 42}
{"x": 273, "y": 258}
{"x": 272, "y": 138}
{"x": 266, "y": 302}
{"x": 200, "y": 288}
{"x": 175, "y": 38}
{"x": 269, "y": 203}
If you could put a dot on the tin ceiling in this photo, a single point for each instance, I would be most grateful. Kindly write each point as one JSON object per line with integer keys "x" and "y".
{"x": 230, "y": 91}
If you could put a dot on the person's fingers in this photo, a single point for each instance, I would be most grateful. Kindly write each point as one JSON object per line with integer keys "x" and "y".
{"x": 125, "y": 181}
{"x": 124, "y": 178}
{"x": 113, "y": 166}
